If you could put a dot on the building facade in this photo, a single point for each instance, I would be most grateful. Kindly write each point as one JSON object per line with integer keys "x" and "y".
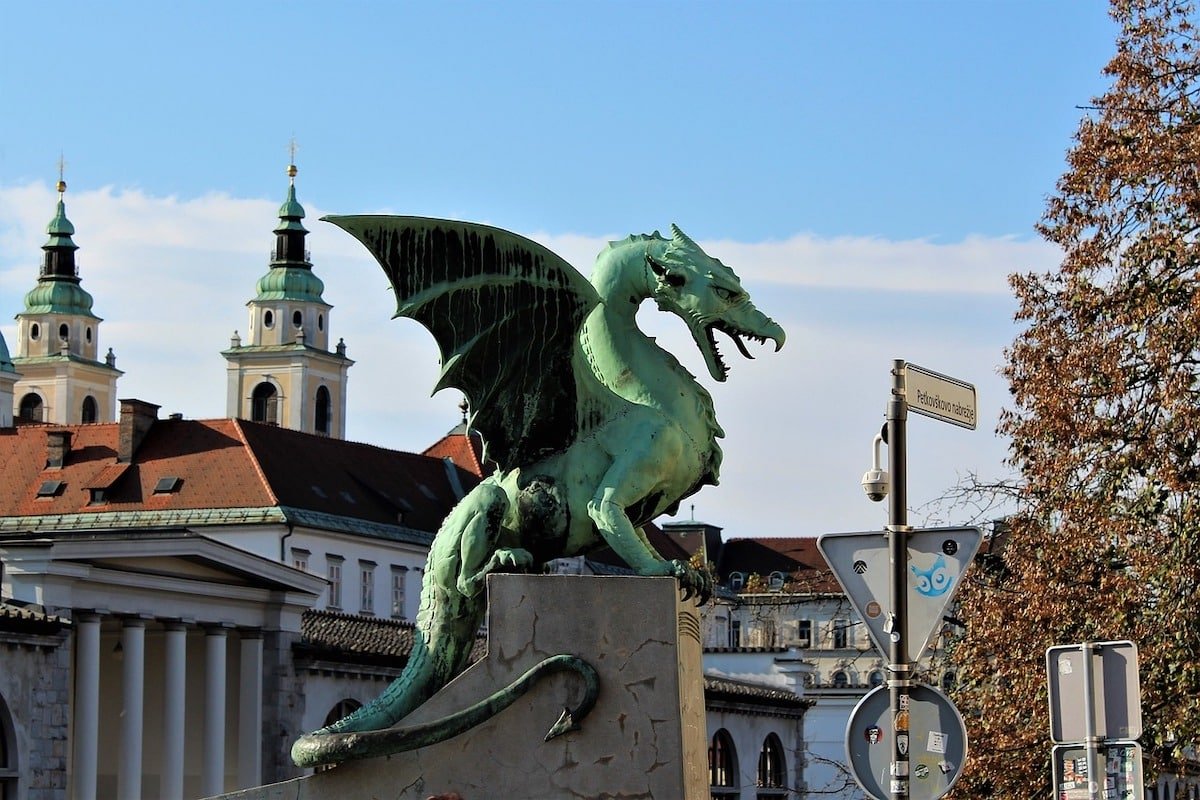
{"x": 180, "y": 557}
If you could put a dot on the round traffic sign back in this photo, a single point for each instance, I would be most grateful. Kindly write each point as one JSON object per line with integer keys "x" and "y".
{"x": 931, "y": 731}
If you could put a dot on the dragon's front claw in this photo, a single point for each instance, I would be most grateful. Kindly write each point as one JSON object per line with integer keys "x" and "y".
{"x": 693, "y": 582}
{"x": 515, "y": 558}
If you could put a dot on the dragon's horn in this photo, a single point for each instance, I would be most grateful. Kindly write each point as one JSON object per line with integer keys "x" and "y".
{"x": 681, "y": 239}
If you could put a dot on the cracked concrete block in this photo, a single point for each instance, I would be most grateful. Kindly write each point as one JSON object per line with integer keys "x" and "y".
{"x": 645, "y": 738}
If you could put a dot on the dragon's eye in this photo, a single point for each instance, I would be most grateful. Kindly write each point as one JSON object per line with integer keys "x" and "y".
{"x": 728, "y": 295}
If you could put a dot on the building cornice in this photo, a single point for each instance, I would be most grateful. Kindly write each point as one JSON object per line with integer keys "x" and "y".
{"x": 142, "y": 518}
{"x": 100, "y": 521}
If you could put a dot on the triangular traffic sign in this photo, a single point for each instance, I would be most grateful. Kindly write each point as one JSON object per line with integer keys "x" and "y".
{"x": 937, "y": 559}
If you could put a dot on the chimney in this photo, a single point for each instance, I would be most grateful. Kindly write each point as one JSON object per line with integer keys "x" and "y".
{"x": 136, "y": 418}
{"x": 58, "y": 444}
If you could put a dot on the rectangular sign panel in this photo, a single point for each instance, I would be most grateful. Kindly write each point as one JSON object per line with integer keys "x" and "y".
{"x": 1122, "y": 778}
{"x": 940, "y": 396}
{"x": 1116, "y": 692}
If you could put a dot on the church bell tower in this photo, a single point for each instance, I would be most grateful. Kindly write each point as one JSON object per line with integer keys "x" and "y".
{"x": 63, "y": 379}
{"x": 284, "y": 373}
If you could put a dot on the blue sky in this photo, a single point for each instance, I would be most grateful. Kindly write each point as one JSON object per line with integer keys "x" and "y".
{"x": 872, "y": 170}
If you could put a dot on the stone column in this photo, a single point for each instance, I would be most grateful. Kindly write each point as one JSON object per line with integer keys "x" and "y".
{"x": 212, "y": 774}
{"x": 87, "y": 705}
{"x": 129, "y": 766}
{"x": 250, "y": 701}
{"x": 174, "y": 696}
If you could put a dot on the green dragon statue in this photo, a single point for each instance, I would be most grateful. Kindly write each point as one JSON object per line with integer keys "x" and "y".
{"x": 595, "y": 431}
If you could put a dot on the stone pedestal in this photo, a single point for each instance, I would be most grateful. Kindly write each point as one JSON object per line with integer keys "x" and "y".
{"x": 645, "y": 737}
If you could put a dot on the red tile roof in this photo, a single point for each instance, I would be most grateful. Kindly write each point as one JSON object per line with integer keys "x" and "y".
{"x": 361, "y": 639}
{"x": 225, "y": 464}
{"x": 719, "y": 687}
{"x": 332, "y": 476}
{"x": 464, "y": 449}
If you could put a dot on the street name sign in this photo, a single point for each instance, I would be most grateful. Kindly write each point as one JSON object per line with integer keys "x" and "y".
{"x": 940, "y": 396}
{"x": 937, "y": 559}
{"x": 930, "y": 731}
{"x": 1116, "y": 695}
{"x": 1121, "y": 778}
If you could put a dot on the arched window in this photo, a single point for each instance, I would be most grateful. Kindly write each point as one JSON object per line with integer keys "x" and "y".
{"x": 736, "y": 581}
{"x": 775, "y": 581}
{"x": 35, "y": 331}
{"x": 323, "y": 409}
{"x": 772, "y": 768}
{"x": 268, "y": 319}
{"x": 722, "y": 767}
{"x": 841, "y": 680}
{"x": 343, "y": 708}
{"x": 64, "y": 332}
{"x": 264, "y": 404}
{"x": 89, "y": 412}
{"x": 297, "y": 319}
{"x": 32, "y": 408}
{"x": 876, "y": 678}
{"x": 9, "y": 774}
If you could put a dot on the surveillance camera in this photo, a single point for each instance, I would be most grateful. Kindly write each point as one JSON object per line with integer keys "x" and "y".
{"x": 876, "y": 484}
{"x": 875, "y": 480}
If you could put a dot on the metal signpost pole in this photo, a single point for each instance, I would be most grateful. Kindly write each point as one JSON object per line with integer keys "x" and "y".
{"x": 900, "y": 669}
{"x": 1095, "y": 772}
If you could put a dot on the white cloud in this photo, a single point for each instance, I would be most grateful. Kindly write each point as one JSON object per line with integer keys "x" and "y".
{"x": 171, "y": 278}
{"x": 974, "y": 265}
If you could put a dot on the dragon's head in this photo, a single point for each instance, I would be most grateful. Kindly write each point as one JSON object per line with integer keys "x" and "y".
{"x": 708, "y": 297}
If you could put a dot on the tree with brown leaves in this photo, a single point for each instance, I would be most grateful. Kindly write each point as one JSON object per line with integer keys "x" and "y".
{"x": 1105, "y": 425}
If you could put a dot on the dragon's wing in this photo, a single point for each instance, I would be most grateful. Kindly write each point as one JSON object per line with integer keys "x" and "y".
{"x": 505, "y": 312}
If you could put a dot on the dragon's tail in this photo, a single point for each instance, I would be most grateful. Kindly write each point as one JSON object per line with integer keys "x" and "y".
{"x": 452, "y": 607}
{"x": 329, "y": 748}
{"x": 441, "y": 650}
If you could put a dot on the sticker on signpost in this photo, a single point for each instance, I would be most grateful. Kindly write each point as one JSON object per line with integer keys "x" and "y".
{"x": 1122, "y": 764}
{"x": 935, "y": 741}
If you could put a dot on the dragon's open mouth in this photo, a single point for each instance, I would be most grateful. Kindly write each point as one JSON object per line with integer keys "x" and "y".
{"x": 722, "y": 369}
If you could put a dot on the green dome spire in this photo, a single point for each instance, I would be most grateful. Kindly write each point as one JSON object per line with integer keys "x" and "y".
{"x": 60, "y": 247}
{"x": 291, "y": 212}
{"x": 290, "y": 233}
{"x": 290, "y": 283}
{"x": 60, "y": 228}
{"x": 58, "y": 290}
{"x": 58, "y": 297}
{"x": 291, "y": 276}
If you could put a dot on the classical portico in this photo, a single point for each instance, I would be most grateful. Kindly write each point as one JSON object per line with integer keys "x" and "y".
{"x": 177, "y": 642}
